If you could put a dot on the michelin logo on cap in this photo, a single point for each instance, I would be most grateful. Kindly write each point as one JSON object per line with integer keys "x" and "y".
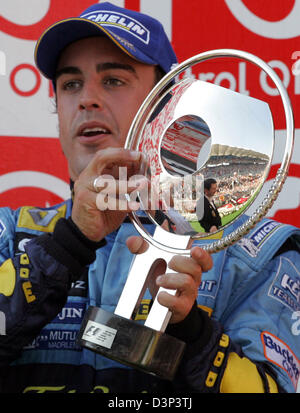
{"x": 124, "y": 22}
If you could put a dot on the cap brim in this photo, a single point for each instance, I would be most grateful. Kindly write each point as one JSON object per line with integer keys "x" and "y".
{"x": 61, "y": 34}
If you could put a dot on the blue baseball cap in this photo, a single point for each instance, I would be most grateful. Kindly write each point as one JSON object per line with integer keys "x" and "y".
{"x": 139, "y": 35}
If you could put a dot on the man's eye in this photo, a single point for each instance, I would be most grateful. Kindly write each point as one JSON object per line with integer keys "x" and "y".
{"x": 112, "y": 81}
{"x": 71, "y": 85}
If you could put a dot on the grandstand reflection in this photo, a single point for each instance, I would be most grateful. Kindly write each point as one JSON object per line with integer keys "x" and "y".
{"x": 186, "y": 152}
{"x": 185, "y": 146}
{"x": 239, "y": 173}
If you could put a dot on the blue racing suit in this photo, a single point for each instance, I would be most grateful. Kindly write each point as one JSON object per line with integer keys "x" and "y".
{"x": 242, "y": 335}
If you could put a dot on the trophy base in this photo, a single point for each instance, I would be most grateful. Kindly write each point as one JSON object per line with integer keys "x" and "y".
{"x": 130, "y": 343}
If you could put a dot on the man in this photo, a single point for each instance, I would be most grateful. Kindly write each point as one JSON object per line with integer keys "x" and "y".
{"x": 211, "y": 219}
{"x": 238, "y": 338}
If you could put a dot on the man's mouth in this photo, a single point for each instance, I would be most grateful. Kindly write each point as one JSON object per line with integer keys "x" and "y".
{"x": 90, "y": 132}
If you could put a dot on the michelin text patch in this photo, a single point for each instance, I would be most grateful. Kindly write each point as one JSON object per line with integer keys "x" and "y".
{"x": 124, "y": 22}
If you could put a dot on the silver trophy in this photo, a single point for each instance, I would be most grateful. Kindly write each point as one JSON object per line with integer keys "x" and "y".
{"x": 189, "y": 130}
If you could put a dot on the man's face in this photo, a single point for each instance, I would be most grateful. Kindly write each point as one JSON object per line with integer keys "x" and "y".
{"x": 99, "y": 89}
{"x": 212, "y": 190}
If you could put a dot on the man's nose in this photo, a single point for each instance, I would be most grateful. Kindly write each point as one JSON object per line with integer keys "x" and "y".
{"x": 91, "y": 98}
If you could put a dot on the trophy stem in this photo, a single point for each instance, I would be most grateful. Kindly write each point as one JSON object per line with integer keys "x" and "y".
{"x": 138, "y": 276}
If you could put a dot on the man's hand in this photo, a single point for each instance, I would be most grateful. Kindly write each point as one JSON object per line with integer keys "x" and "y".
{"x": 185, "y": 280}
{"x": 91, "y": 205}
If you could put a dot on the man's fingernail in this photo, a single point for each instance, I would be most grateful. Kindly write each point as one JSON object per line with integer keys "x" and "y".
{"x": 197, "y": 251}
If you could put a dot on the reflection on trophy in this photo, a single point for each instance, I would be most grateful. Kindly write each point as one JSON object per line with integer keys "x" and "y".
{"x": 189, "y": 131}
